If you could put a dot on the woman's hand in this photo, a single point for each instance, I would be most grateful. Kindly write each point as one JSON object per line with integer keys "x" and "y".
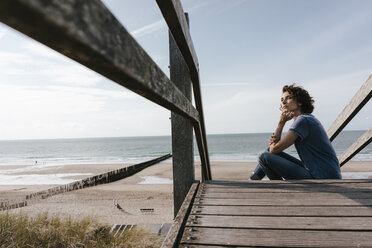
{"x": 274, "y": 139}
{"x": 286, "y": 116}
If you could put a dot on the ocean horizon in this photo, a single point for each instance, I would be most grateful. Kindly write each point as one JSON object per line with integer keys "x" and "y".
{"x": 222, "y": 147}
{"x": 24, "y": 162}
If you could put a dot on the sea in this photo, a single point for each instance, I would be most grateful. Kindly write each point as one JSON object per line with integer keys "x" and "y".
{"x": 222, "y": 147}
{"x": 34, "y": 155}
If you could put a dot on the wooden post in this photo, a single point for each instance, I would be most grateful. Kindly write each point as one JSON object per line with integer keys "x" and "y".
{"x": 178, "y": 25}
{"x": 182, "y": 130}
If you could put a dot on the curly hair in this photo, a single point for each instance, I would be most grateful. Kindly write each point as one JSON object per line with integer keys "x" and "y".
{"x": 301, "y": 95}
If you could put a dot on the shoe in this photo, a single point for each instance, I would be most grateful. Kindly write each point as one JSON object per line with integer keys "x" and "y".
{"x": 257, "y": 174}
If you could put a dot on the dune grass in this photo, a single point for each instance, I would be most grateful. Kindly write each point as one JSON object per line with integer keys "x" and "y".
{"x": 20, "y": 230}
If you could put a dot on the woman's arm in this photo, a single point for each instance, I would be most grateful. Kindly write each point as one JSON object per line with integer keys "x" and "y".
{"x": 284, "y": 143}
{"x": 276, "y": 143}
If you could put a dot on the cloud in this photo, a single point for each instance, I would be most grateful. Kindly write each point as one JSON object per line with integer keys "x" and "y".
{"x": 198, "y": 6}
{"x": 347, "y": 83}
{"x": 109, "y": 94}
{"x": 148, "y": 29}
{"x": 227, "y": 84}
{"x": 39, "y": 63}
{"x": 15, "y": 59}
{"x": 2, "y": 30}
{"x": 52, "y": 111}
{"x": 353, "y": 55}
{"x": 329, "y": 36}
{"x": 160, "y": 24}
{"x": 34, "y": 48}
{"x": 214, "y": 7}
{"x": 333, "y": 93}
{"x": 23, "y": 103}
{"x": 230, "y": 6}
{"x": 72, "y": 74}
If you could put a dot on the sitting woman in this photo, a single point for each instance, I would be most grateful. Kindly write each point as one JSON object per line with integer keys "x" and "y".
{"x": 318, "y": 158}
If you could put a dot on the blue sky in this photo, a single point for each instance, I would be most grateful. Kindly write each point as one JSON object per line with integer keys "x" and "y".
{"x": 247, "y": 50}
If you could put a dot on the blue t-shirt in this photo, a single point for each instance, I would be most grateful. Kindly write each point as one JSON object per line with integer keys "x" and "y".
{"x": 314, "y": 148}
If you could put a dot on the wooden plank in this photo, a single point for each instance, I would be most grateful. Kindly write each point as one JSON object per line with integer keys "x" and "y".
{"x": 83, "y": 31}
{"x": 173, "y": 13}
{"x": 285, "y": 202}
{"x": 290, "y": 195}
{"x": 230, "y": 214}
{"x": 355, "y": 148}
{"x": 357, "y": 102}
{"x": 275, "y": 238}
{"x": 282, "y": 211}
{"x": 293, "y": 189}
{"x": 182, "y": 131}
{"x": 176, "y": 230}
{"x": 274, "y": 183}
{"x": 279, "y": 222}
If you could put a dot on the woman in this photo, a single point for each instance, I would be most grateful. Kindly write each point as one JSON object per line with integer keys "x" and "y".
{"x": 318, "y": 158}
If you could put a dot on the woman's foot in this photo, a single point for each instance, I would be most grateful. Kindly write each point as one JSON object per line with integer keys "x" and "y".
{"x": 257, "y": 174}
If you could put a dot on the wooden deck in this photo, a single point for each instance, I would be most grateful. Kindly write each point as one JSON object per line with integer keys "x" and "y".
{"x": 311, "y": 213}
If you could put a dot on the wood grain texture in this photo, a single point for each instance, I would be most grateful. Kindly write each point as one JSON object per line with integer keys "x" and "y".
{"x": 217, "y": 237}
{"x": 175, "y": 232}
{"x": 280, "y": 222}
{"x": 311, "y": 213}
{"x": 286, "y": 202}
{"x": 182, "y": 130}
{"x": 289, "y": 195}
{"x": 282, "y": 210}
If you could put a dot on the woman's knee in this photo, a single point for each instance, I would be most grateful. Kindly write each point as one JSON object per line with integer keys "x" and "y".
{"x": 268, "y": 159}
{"x": 264, "y": 156}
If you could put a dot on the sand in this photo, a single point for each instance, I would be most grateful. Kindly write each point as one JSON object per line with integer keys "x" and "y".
{"x": 132, "y": 196}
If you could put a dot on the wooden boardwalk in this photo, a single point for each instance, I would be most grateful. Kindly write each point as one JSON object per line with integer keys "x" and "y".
{"x": 311, "y": 213}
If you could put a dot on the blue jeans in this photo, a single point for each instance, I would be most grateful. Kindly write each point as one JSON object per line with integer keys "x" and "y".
{"x": 281, "y": 166}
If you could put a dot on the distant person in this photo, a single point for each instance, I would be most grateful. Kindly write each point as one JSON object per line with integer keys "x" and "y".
{"x": 318, "y": 158}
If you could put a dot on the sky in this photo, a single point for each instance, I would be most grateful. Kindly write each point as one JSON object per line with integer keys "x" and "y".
{"x": 247, "y": 50}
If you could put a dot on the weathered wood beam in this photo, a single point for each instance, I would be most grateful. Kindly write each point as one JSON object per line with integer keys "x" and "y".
{"x": 357, "y": 102}
{"x": 87, "y": 32}
{"x": 355, "y": 148}
{"x": 174, "y": 16}
{"x": 103, "y": 178}
{"x": 175, "y": 232}
{"x": 182, "y": 131}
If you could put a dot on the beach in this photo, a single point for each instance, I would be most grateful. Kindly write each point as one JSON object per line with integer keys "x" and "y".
{"x": 142, "y": 199}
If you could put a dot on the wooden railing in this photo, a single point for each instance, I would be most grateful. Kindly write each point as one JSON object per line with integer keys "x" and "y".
{"x": 363, "y": 95}
{"x": 87, "y": 32}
